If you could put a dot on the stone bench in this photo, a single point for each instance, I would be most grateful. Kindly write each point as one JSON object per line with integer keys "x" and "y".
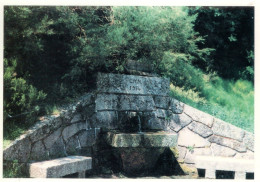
{"x": 61, "y": 167}
{"x": 212, "y": 164}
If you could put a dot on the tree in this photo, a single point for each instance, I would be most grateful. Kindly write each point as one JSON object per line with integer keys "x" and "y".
{"x": 230, "y": 31}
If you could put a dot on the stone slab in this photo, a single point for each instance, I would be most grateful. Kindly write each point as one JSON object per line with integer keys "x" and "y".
{"x": 105, "y": 119}
{"x": 131, "y": 84}
{"x": 60, "y": 167}
{"x": 222, "y": 128}
{"x": 219, "y": 150}
{"x": 136, "y": 103}
{"x": 57, "y": 149}
{"x": 162, "y": 102}
{"x": 144, "y": 139}
{"x": 176, "y": 106}
{"x": 249, "y": 141}
{"x": 72, "y": 145}
{"x": 107, "y": 102}
{"x": 210, "y": 174}
{"x": 238, "y": 146}
{"x": 178, "y": 121}
{"x": 43, "y": 128}
{"x": 181, "y": 153}
{"x": 200, "y": 129}
{"x": 191, "y": 154}
{"x": 198, "y": 115}
{"x": 189, "y": 139}
{"x": 19, "y": 150}
{"x": 76, "y": 118}
{"x": 52, "y": 138}
{"x": 161, "y": 113}
{"x": 224, "y": 163}
{"x": 247, "y": 155}
{"x": 72, "y": 130}
{"x": 87, "y": 138}
{"x": 155, "y": 123}
{"x": 240, "y": 175}
{"x": 38, "y": 151}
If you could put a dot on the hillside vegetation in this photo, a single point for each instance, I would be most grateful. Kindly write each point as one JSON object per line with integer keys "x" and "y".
{"x": 51, "y": 55}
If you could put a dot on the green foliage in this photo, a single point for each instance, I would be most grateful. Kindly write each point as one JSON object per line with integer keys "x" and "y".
{"x": 231, "y": 101}
{"x": 14, "y": 170}
{"x": 230, "y": 31}
{"x": 145, "y": 33}
{"x": 21, "y": 100}
{"x": 182, "y": 74}
{"x": 58, "y": 50}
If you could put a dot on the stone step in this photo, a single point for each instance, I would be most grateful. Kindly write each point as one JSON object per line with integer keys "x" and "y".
{"x": 61, "y": 167}
{"x": 212, "y": 164}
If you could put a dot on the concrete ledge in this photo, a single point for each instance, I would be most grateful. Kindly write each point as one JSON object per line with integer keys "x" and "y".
{"x": 60, "y": 167}
{"x": 211, "y": 164}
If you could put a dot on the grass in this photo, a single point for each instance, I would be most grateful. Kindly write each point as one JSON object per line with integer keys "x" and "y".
{"x": 231, "y": 101}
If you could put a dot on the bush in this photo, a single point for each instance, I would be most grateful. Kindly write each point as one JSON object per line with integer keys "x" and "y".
{"x": 21, "y": 100}
{"x": 181, "y": 73}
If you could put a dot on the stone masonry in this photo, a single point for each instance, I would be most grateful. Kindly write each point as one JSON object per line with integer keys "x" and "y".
{"x": 74, "y": 131}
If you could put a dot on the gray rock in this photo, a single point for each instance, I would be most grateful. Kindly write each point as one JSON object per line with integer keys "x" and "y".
{"x": 40, "y": 130}
{"x": 72, "y": 130}
{"x": 224, "y": 129}
{"x": 247, "y": 155}
{"x": 72, "y": 145}
{"x": 136, "y": 103}
{"x": 19, "y": 150}
{"x": 178, "y": 121}
{"x": 238, "y": 146}
{"x": 76, "y": 118}
{"x": 176, "y": 106}
{"x": 249, "y": 141}
{"x": 105, "y": 119}
{"x": 88, "y": 111}
{"x": 154, "y": 123}
{"x": 161, "y": 113}
{"x": 87, "y": 99}
{"x": 162, "y": 102}
{"x": 57, "y": 149}
{"x": 191, "y": 154}
{"x": 189, "y": 139}
{"x": 189, "y": 158}
{"x": 202, "y": 151}
{"x": 51, "y": 139}
{"x": 88, "y": 137}
{"x": 200, "y": 129}
{"x": 219, "y": 150}
{"x": 107, "y": 102}
{"x": 181, "y": 153}
{"x": 131, "y": 84}
{"x": 38, "y": 151}
{"x": 198, "y": 115}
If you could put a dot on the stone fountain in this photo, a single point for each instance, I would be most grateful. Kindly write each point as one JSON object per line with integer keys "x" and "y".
{"x": 132, "y": 110}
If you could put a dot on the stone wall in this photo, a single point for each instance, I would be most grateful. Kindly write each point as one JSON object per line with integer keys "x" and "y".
{"x": 118, "y": 97}
{"x": 57, "y": 135}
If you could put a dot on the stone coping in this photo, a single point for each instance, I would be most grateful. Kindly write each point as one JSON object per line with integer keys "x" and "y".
{"x": 143, "y": 139}
{"x": 132, "y": 84}
{"x": 224, "y": 163}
